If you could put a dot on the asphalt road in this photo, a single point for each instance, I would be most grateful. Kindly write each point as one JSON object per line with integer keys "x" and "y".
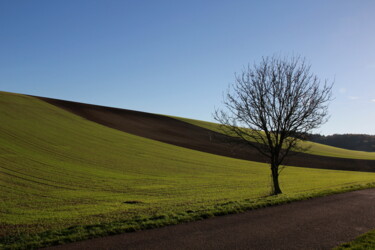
{"x": 319, "y": 223}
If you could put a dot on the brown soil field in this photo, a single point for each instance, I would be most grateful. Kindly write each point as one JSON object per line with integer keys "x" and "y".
{"x": 169, "y": 130}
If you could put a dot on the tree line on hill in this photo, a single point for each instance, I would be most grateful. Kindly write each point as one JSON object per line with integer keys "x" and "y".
{"x": 361, "y": 142}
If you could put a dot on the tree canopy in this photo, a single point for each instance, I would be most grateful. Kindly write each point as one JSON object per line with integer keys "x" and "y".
{"x": 274, "y": 104}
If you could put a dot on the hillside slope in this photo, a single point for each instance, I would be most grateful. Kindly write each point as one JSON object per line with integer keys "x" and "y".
{"x": 201, "y": 136}
{"x": 59, "y": 172}
{"x": 317, "y": 149}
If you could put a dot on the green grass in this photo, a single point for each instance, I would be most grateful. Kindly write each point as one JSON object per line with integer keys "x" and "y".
{"x": 63, "y": 178}
{"x": 315, "y": 148}
{"x": 365, "y": 241}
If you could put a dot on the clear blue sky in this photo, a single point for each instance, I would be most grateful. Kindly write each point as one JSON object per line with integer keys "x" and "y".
{"x": 177, "y": 57}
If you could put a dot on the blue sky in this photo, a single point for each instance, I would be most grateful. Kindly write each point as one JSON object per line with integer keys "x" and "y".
{"x": 177, "y": 57}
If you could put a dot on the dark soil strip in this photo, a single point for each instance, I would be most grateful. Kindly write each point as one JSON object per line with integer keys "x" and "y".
{"x": 176, "y": 132}
{"x": 319, "y": 223}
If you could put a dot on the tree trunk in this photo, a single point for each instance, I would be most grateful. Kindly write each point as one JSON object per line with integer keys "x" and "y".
{"x": 275, "y": 180}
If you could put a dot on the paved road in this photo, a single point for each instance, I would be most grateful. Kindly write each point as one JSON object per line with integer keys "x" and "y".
{"x": 319, "y": 223}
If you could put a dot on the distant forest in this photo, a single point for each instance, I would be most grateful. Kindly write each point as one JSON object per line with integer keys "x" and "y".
{"x": 349, "y": 141}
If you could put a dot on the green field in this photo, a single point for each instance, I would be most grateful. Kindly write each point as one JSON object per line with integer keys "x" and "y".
{"x": 64, "y": 178}
{"x": 314, "y": 148}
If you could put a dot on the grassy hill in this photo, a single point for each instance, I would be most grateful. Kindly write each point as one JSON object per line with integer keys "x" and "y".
{"x": 64, "y": 178}
{"x": 315, "y": 148}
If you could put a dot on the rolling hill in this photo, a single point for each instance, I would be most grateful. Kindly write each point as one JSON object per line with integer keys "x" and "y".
{"x": 317, "y": 149}
{"x": 205, "y": 137}
{"x": 65, "y": 178}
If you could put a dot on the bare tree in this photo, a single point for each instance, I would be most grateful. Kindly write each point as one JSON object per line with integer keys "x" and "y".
{"x": 272, "y": 106}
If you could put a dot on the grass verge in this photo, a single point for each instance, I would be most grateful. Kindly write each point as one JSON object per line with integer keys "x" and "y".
{"x": 363, "y": 242}
{"x": 79, "y": 232}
